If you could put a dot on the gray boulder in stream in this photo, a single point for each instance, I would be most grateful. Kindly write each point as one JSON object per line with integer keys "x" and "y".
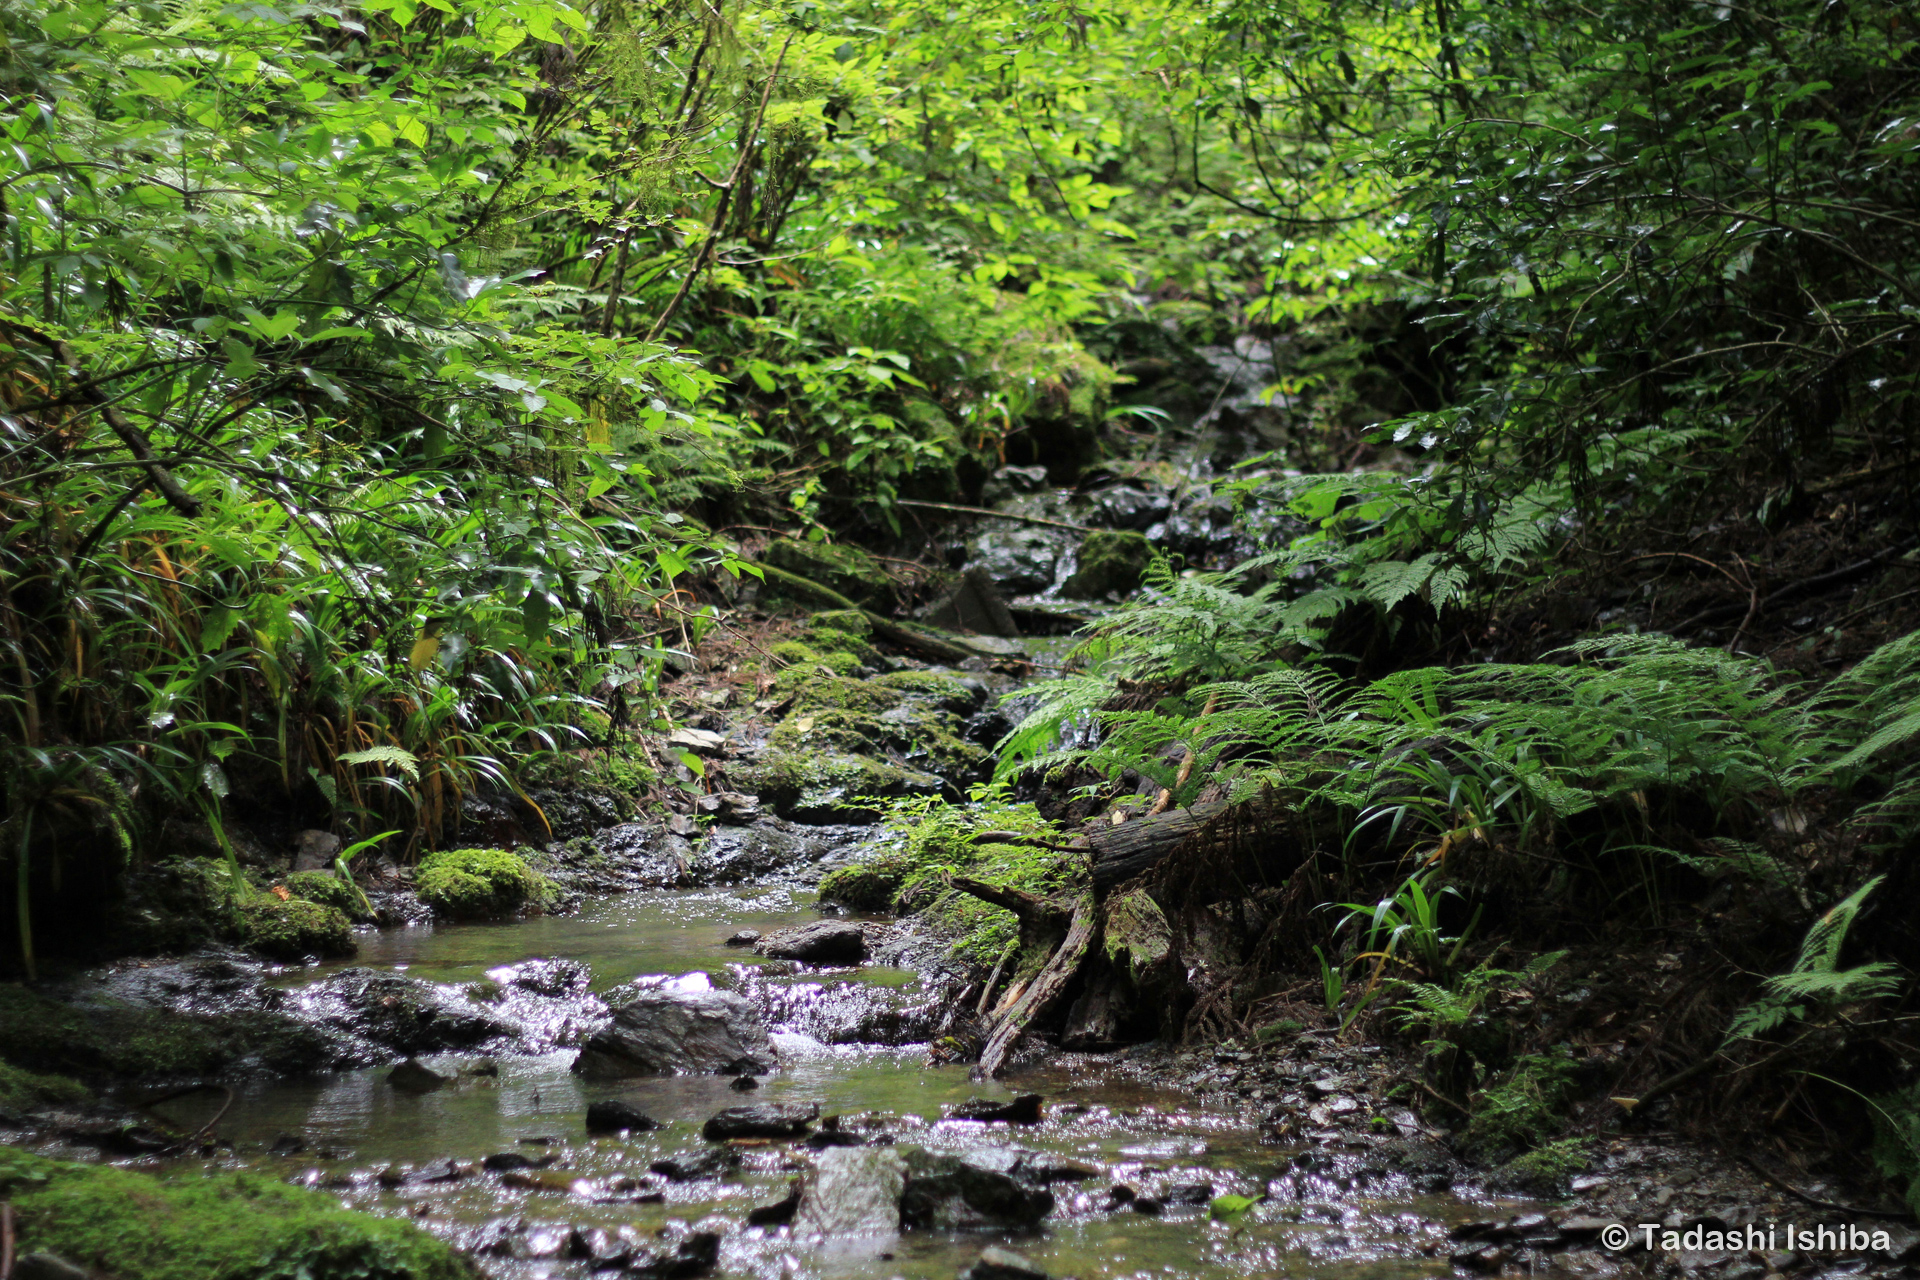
{"x": 968, "y": 1190}
{"x": 852, "y": 1192}
{"x": 821, "y": 942}
{"x": 674, "y": 1032}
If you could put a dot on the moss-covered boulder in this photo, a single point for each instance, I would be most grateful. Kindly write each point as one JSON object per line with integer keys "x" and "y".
{"x": 797, "y": 653}
{"x": 478, "y": 884}
{"x": 843, "y": 740}
{"x": 208, "y": 1226}
{"x": 22, "y": 1090}
{"x": 1111, "y": 561}
{"x": 329, "y": 890}
{"x": 294, "y": 928}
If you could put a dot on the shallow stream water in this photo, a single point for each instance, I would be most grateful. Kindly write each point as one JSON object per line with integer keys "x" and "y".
{"x": 419, "y": 1155}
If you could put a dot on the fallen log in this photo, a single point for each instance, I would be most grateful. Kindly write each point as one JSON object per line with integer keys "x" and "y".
{"x": 1045, "y": 991}
{"x": 1216, "y": 829}
{"x": 932, "y": 647}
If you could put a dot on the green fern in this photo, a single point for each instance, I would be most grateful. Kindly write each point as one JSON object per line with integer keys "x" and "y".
{"x": 400, "y": 758}
{"x": 1816, "y": 980}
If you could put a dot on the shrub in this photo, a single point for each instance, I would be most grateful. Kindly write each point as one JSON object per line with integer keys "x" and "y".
{"x": 476, "y": 884}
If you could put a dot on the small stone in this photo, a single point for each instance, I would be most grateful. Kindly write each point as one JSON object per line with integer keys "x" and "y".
{"x": 1490, "y": 1258}
{"x": 765, "y": 1120}
{"x": 1002, "y": 1264}
{"x": 611, "y": 1115}
{"x": 1149, "y": 1206}
{"x": 502, "y": 1161}
{"x": 411, "y": 1077}
{"x": 697, "y": 1166}
{"x": 696, "y": 1255}
{"x": 703, "y": 742}
{"x": 777, "y": 1213}
{"x": 1589, "y": 1184}
{"x": 822, "y": 942}
{"x": 728, "y": 806}
{"x": 315, "y": 850}
{"x": 1527, "y": 1224}
{"x": 1342, "y": 1105}
{"x": 744, "y": 1084}
{"x": 1189, "y": 1193}
{"x": 831, "y": 1138}
{"x": 1327, "y": 1086}
{"x": 1024, "y": 1109}
{"x": 287, "y": 1144}
{"x": 744, "y": 938}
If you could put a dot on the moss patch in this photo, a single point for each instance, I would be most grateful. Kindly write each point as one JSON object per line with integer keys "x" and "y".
{"x": 1524, "y": 1109}
{"x": 213, "y": 1226}
{"x": 1110, "y": 561}
{"x": 329, "y": 890}
{"x": 294, "y": 929}
{"x": 478, "y": 884}
{"x": 805, "y": 657}
{"x": 936, "y": 841}
{"x": 22, "y": 1090}
{"x": 1544, "y": 1170}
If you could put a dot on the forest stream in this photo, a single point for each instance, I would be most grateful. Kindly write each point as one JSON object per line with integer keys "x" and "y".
{"x": 500, "y": 1163}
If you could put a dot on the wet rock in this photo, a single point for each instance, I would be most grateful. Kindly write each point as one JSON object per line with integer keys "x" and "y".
{"x": 624, "y": 857}
{"x": 677, "y": 1032}
{"x": 744, "y": 938}
{"x": 1149, "y": 1206}
{"x": 1189, "y": 1193}
{"x": 411, "y": 1077}
{"x": 967, "y": 1190}
{"x": 1024, "y": 1109}
{"x": 611, "y": 1115}
{"x": 762, "y": 1120}
{"x": 695, "y": 1255}
{"x": 826, "y": 1138}
{"x": 47, "y": 1266}
{"x": 397, "y": 1014}
{"x": 728, "y": 806}
{"x": 769, "y": 847}
{"x": 1486, "y": 1258}
{"x": 1110, "y": 561}
{"x": 697, "y": 1166}
{"x": 779, "y": 1212}
{"x": 287, "y": 1144}
{"x": 744, "y": 1084}
{"x": 315, "y": 850}
{"x": 851, "y": 1193}
{"x": 699, "y": 741}
{"x": 547, "y": 976}
{"x": 1002, "y": 1264}
{"x": 507, "y": 1161}
{"x": 598, "y": 1246}
{"x": 1008, "y": 481}
{"x": 1043, "y": 1169}
{"x": 820, "y": 942}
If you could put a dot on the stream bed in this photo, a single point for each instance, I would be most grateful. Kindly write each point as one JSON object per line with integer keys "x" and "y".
{"x": 553, "y": 1201}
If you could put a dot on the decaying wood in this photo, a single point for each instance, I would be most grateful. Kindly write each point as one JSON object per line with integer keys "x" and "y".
{"x": 1032, "y": 910}
{"x": 1217, "y": 829}
{"x": 1045, "y": 991}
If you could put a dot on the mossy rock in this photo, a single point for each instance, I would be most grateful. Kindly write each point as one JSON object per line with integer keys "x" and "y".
{"x": 478, "y": 884}
{"x": 795, "y": 654}
{"x": 945, "y": 692}
{"x": 811, "y": 786}
{"x": 1111, "y": 561}
{"x": 867, "y": 886}
{"x": 329, "y": 890}
{"x": 849, "y": 571}
{"x": 294, "y": 929}
{"x": 134, "y": 1041}
{"x": 22, "y": 1090}
{"x": 1525, "y": 1108}
{"x": 1545, "y": 1170}
{"x": 208, "y": 1226}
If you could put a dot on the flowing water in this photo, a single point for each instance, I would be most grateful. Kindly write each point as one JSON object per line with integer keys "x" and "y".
{"x": 419, "y": 1155}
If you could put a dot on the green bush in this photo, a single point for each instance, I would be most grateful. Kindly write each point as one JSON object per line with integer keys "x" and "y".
{"x": 477, "y": 884}
{"x": 294, "y": 929}
{"x": 209, "y": 1226}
